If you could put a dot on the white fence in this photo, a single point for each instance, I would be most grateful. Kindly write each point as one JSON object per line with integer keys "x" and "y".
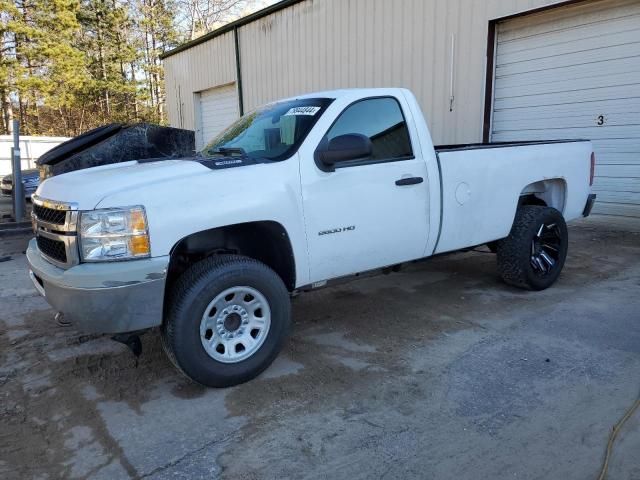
{"x": 31, "y": 148}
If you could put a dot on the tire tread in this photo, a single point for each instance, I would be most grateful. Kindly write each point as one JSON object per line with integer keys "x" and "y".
{"x": 513, "y": 252}
{"x": 188, "y": 282}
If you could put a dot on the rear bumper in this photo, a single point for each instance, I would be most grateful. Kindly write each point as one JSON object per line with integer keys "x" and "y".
{"x": 114, "y": 297}
{"x": 589, "y": 206}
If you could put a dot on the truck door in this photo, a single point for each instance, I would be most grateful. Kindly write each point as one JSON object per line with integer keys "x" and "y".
{"x": 372, "y": 212}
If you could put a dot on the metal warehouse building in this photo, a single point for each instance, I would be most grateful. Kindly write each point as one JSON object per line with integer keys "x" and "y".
{"x": 483, "y": 70}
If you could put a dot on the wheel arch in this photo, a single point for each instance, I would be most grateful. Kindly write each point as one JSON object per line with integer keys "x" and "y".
{"x": 265, "y": 241}
{"x": 548, "y": 193}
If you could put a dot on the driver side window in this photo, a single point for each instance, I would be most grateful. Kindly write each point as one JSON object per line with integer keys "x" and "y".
{"x": 382, "y": 121}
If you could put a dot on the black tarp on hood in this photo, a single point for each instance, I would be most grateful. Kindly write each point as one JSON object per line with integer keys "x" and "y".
{"x": 115, "y": 143}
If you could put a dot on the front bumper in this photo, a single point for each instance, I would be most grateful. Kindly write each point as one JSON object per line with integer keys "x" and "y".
{"x": 114, "y": 297}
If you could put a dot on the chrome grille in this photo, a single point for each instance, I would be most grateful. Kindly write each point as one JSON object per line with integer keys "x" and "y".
{"x": 54, "y": 249}
{"x": 55, "y": 226}
{"x": 50, "y": 215}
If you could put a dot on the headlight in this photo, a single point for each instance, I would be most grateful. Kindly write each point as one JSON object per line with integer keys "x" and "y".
{"x": 114, "y": 234}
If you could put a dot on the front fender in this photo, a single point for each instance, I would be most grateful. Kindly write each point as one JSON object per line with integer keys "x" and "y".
{"x": 219, "y": 198}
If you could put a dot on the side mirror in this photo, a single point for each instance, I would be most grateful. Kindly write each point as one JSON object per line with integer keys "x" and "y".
{"x": 345, "y": 148}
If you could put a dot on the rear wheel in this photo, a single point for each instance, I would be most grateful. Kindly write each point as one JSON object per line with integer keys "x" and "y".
{"x": 227, "y": 320}
{"x": 533, "y": 254}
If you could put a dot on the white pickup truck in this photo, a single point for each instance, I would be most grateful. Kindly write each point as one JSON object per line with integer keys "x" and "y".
{"x": 290, "y": 197}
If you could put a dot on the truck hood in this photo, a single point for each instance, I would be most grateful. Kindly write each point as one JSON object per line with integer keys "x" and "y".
{"x": 88, "y": 187}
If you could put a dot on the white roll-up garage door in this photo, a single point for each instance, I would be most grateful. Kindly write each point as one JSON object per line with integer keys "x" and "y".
{"x": 574, "y": 72}
{"x": 217, "y": 109}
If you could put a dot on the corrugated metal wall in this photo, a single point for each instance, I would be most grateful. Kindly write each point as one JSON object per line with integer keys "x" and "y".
{"x": 202, "y": 67}
{"x": 575, "y": 73}
{"x": 326, "y": 44}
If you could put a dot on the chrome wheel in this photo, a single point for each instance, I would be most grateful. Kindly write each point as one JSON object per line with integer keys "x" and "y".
{"x": 235, "y": 324}
{"x": 545, "y": 249}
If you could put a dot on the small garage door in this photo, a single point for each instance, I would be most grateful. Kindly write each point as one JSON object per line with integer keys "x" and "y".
{"x": 218, "y": 108}
{"x": 574, "y": 72}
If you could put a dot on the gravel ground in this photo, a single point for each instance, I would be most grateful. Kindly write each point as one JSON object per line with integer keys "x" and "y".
{"x": 437, "y": 372}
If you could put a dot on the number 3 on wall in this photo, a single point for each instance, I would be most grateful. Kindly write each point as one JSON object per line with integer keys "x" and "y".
{"x": 600, "y": 120}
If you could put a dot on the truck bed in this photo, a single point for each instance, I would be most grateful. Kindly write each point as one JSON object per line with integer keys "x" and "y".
{"x": 482, "y": 183}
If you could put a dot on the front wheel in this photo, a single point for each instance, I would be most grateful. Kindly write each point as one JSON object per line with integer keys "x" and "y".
{"x": 227, "y": 320}
{"x": 533, "y": 254}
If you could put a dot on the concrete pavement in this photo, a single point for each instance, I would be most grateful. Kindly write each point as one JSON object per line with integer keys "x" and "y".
{"x": 438, "y": 372}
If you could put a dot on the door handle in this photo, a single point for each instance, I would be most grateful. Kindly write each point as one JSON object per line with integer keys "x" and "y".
{"x": 403, "y": 182}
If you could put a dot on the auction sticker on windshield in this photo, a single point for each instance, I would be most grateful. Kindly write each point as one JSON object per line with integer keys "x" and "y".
{"x": 303, "y": 111}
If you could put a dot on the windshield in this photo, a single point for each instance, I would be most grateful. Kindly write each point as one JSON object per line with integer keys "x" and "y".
{"x": 273, "y": 132}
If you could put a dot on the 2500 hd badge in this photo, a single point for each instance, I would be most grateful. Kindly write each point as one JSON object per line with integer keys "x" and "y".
{"x": 337, "y": 230}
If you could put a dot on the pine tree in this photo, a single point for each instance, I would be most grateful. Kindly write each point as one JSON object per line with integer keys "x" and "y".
{"x": 107, "y": 53}
{"x": 6, "y": 65}
{"x": 42, "y": 69}
{"x": 67, "y": 66}
{"x": 158, "y": 31}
